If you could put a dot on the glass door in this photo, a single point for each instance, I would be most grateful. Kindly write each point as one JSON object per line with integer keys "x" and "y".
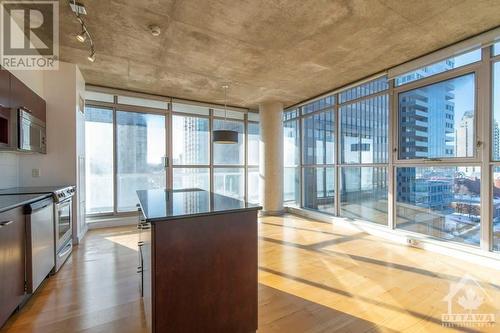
{"x": 140, "y": 156}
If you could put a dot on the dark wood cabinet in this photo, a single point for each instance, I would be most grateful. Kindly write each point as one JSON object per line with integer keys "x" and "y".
{"x": 4, "y": 89}
{"x": 12, "y": 262}
{"x": 200, "y": 274}
{"x": 23, "y": 96}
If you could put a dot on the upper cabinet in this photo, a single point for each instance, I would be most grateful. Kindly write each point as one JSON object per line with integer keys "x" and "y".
{"x": 22, "y": 96}
{"x": 4, "y": 88}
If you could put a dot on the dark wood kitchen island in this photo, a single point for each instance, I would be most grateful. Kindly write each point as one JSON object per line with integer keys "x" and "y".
{"x": 198, "y": 254}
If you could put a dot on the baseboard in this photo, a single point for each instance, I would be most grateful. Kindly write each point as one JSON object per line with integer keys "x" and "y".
{"x": 455, "y": 250}
{"x": 108, "y": 222}
{"x": 272, "y": 212}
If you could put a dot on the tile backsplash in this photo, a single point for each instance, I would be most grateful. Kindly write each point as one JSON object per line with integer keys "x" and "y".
{"x": 9, "y": 170}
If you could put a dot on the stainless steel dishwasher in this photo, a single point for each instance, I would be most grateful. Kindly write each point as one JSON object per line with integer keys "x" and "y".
{"x": 40, "y": 242}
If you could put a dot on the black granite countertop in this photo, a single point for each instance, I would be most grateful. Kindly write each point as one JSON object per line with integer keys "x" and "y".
{"x": 162, "y": 204}
{"x": 8, "y": 202}
{"x": 32, "y": 189}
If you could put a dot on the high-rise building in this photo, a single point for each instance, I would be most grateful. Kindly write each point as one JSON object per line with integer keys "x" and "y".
{"x": 464, "y": 135}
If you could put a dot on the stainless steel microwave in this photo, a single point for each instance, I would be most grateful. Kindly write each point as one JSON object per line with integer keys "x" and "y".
{"x": 27, "y": 133}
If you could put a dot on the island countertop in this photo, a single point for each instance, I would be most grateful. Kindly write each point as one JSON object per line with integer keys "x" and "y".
{"x": 166, "y": 204}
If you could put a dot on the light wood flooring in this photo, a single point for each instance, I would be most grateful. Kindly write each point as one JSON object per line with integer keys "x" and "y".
{"x": 313, "y": 277}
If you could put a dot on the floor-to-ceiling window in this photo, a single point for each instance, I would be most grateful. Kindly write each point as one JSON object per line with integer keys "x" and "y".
{"x": 318, "y": 155}
{"x": 291, "y": 157}
{"x": 413, "y": 149}
{"x": 99, "y": 160}
{"x": 364, "y": 133}
{"x": 140, "y": 152}
{"x": 136, "y": 142}
{"x": 253, "y": 174}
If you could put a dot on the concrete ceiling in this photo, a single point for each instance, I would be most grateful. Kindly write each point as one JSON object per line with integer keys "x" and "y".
{"x": 267, "y": 50}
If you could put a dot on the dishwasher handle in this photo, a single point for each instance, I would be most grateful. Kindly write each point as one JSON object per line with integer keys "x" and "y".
{"x": 32, "y": 207}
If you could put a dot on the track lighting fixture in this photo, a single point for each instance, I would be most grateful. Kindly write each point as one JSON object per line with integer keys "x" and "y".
{"x": 84, "y": 36}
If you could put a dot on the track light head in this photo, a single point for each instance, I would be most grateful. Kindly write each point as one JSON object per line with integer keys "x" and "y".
{"x": 82, "y": 36}
{"x": 91, "y": 56}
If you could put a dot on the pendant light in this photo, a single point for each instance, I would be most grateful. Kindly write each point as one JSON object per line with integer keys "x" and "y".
{"x": 224, "y": 136}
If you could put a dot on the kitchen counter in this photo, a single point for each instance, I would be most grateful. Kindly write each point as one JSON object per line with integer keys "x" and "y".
{"x": 33, "y": 189}
{"x": 8, "y": 202}
{"x": 164, "y": 205}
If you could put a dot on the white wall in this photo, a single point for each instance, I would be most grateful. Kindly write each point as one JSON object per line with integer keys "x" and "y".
{"x": 9, "y": 170}
{"x": 65, "y": 139}
{"x": 58, "y": 166}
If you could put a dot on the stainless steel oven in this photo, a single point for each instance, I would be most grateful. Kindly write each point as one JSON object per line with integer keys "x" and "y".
{"x": 63, "y": 225}
{"x": 63, "y": 221}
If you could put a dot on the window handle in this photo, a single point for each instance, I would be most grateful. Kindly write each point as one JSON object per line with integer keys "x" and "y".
{"x": 165, "y": 161}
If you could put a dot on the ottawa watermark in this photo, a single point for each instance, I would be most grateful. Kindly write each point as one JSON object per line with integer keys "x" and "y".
{"x": 465, "y": 300}
{"x": 29, "y": 35}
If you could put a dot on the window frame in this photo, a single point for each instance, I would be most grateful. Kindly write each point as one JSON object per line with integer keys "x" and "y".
{"x": 492, "y": 163}
{"x": 113, "y": 176}
{"x": 425, "y": 82}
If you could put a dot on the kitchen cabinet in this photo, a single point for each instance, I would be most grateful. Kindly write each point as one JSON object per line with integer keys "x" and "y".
{"x": 12, "y": 262}
{"x": 4, "y": 89}
{"x": 22, "y": 96}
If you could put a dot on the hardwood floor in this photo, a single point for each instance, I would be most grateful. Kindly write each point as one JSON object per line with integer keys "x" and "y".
{"x": 313, "y": 277}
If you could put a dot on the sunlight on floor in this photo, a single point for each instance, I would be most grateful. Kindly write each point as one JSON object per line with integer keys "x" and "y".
{"x": 394, "y": 286}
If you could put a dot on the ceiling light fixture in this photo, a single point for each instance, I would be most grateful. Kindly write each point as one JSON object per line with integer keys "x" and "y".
{"x": 84, "y": 36}
{"x": 225, "y": 136}
{"x": 91, "y": 56}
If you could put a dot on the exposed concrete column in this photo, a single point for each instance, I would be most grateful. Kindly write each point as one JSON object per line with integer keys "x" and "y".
{"x": 271, "y": 157}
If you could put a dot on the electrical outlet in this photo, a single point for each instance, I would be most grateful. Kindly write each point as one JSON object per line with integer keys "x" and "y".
{"x": 35, "y": 173}
{"x": 412, "y": 242}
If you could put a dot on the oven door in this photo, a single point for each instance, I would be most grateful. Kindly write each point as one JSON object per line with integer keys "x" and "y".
{"x": 64, "y": 222}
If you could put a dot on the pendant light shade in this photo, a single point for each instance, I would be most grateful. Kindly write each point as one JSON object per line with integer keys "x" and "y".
{"x": 224, "y": 136}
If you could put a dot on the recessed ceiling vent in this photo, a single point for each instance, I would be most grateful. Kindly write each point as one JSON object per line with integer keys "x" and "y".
{"x": 155, "y": 30}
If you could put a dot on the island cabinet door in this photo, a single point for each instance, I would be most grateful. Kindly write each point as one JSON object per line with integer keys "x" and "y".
{"x": 205, "y": 274}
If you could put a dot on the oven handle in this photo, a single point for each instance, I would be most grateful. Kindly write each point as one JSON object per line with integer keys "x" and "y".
{"x": 66, "y": 250}
{"x": 65, "y": 201}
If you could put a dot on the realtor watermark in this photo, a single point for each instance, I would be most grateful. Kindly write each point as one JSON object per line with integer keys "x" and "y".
{"x": 29, "y": 38}
{"x": 465, "y": 300}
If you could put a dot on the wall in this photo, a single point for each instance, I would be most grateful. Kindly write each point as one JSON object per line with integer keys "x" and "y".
{"x": 9, "y": 168}
{"x": 65, "y": 139}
